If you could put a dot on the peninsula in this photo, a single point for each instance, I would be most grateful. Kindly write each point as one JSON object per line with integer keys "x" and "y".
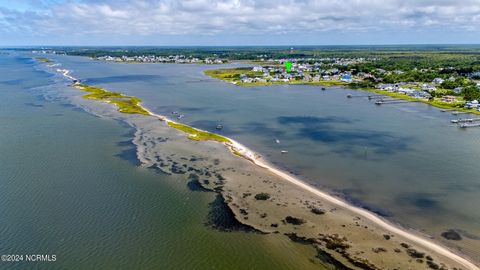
{"x": 340, "y": 237}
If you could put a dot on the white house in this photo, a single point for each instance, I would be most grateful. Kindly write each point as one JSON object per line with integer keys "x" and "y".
{"x": 438, "y": 81}
{"x": 428, "y": 87}
{"x": 472, "y": 104}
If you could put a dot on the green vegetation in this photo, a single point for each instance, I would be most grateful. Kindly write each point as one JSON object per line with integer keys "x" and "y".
{"x": 198, "y": 135}
{"x": 232, "y": 75}
{"x": 470, "y": 92}
{"x": 458, "y": 106}
{"x": 321, "y": 83}
{"x": 412, "y": 65}
{"x": 277, "y": 52}
{"x": 129, "y": 104}
{"x": 44, "y": 59}
{"x": 391, "y": 94}
{"x": 125, "y": 104}
{"x": 235, "y": 152}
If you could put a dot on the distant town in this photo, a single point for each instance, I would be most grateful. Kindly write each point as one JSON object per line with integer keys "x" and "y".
{"x": 177, "y": 59}
{"x": 446, "y": 78}
{"x": 320, "y": 72}
{"x": 453, "y": 91}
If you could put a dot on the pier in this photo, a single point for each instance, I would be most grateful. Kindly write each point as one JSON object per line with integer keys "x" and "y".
{"x": 466, "y": 125}
{"x": 457, "y": 112}
{"x": 391, "y": 101}
{"x": 465, "y": 120}
{"x": 365, "y": 96}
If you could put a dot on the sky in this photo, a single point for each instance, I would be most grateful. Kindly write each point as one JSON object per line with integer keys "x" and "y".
{"x": 238, "y": 22}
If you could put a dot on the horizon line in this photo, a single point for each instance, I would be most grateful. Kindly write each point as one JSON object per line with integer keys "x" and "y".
{"x": 251, "y": 45}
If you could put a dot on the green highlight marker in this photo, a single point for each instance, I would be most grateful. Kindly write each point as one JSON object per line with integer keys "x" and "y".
{"x": 288, "y": 66}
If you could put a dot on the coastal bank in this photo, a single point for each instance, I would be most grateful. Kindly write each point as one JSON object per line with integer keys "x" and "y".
{"x": 341, "y": 220}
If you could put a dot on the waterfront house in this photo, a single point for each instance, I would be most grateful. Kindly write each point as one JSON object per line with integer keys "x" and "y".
{"x": 428, "y": 87}
{"x": 472, "y": 104}
{"x": 407, "y": 91}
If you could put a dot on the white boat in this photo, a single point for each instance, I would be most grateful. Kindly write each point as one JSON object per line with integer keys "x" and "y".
{"x": 277, "y": 140}
{"x": 284, "y": 151}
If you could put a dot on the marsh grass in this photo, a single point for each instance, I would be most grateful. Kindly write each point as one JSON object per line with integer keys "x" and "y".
{"x": 196, "y": 134}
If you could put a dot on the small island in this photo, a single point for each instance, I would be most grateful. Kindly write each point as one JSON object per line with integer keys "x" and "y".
{"x": 125, "y": 104}
{"x": 132, "y": 105}
{"x": 196, "y": 134}
{"x": 44, "y": 59}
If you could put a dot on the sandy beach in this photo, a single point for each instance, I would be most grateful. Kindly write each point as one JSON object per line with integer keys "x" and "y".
{"x": 352, "y": 236}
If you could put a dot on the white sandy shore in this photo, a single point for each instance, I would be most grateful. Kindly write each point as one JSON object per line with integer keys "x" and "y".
{"x": 256, "y": 159}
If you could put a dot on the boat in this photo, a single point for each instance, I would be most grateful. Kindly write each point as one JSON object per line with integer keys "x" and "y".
{"x": 378, "y": 102}
{"x": 181, "y": 116}
{"x": 277, "y": 140}
{"x": 174, "y": 112}
{"x": 219, "y": 127}
{"x": 284, "y": 151}
{"x": 323, "y": 88}
{"x": 349, "y": 96}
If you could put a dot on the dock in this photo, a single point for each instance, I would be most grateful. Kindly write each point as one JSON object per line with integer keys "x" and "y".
{"x": 457, "y": 112}
{"x": 466, "y": 125}
{"x": 465, "y": 120}
{"x": 392, "y": 101}
{"x": 365, "y": 96}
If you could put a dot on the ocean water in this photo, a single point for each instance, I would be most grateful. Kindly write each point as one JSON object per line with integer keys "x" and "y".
{"x": 405, "y": 162}
{"x": 70, "y": 186}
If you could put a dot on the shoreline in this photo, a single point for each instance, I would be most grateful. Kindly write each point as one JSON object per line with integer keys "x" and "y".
{"x": 240, "y": 150}
{"x": 331, "y": 83}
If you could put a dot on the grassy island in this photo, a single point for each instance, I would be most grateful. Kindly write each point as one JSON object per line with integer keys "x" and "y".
{"x": 198, "y": 135}
{"x": 44, "y": 59}
{"x": 129, "y": 104}
{"x": 125, "y": 104}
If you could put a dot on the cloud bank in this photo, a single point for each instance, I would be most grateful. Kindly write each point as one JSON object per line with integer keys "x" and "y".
{"x": 238, "y": 17}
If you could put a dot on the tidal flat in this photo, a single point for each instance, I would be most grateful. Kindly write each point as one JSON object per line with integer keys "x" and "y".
{"x": 278, "y": 199}
{"x": 72, "y": 186}
{"x": 336, "y": 233}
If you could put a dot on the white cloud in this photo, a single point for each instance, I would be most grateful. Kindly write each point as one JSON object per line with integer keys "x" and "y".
{"x": 209, "y": 17}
